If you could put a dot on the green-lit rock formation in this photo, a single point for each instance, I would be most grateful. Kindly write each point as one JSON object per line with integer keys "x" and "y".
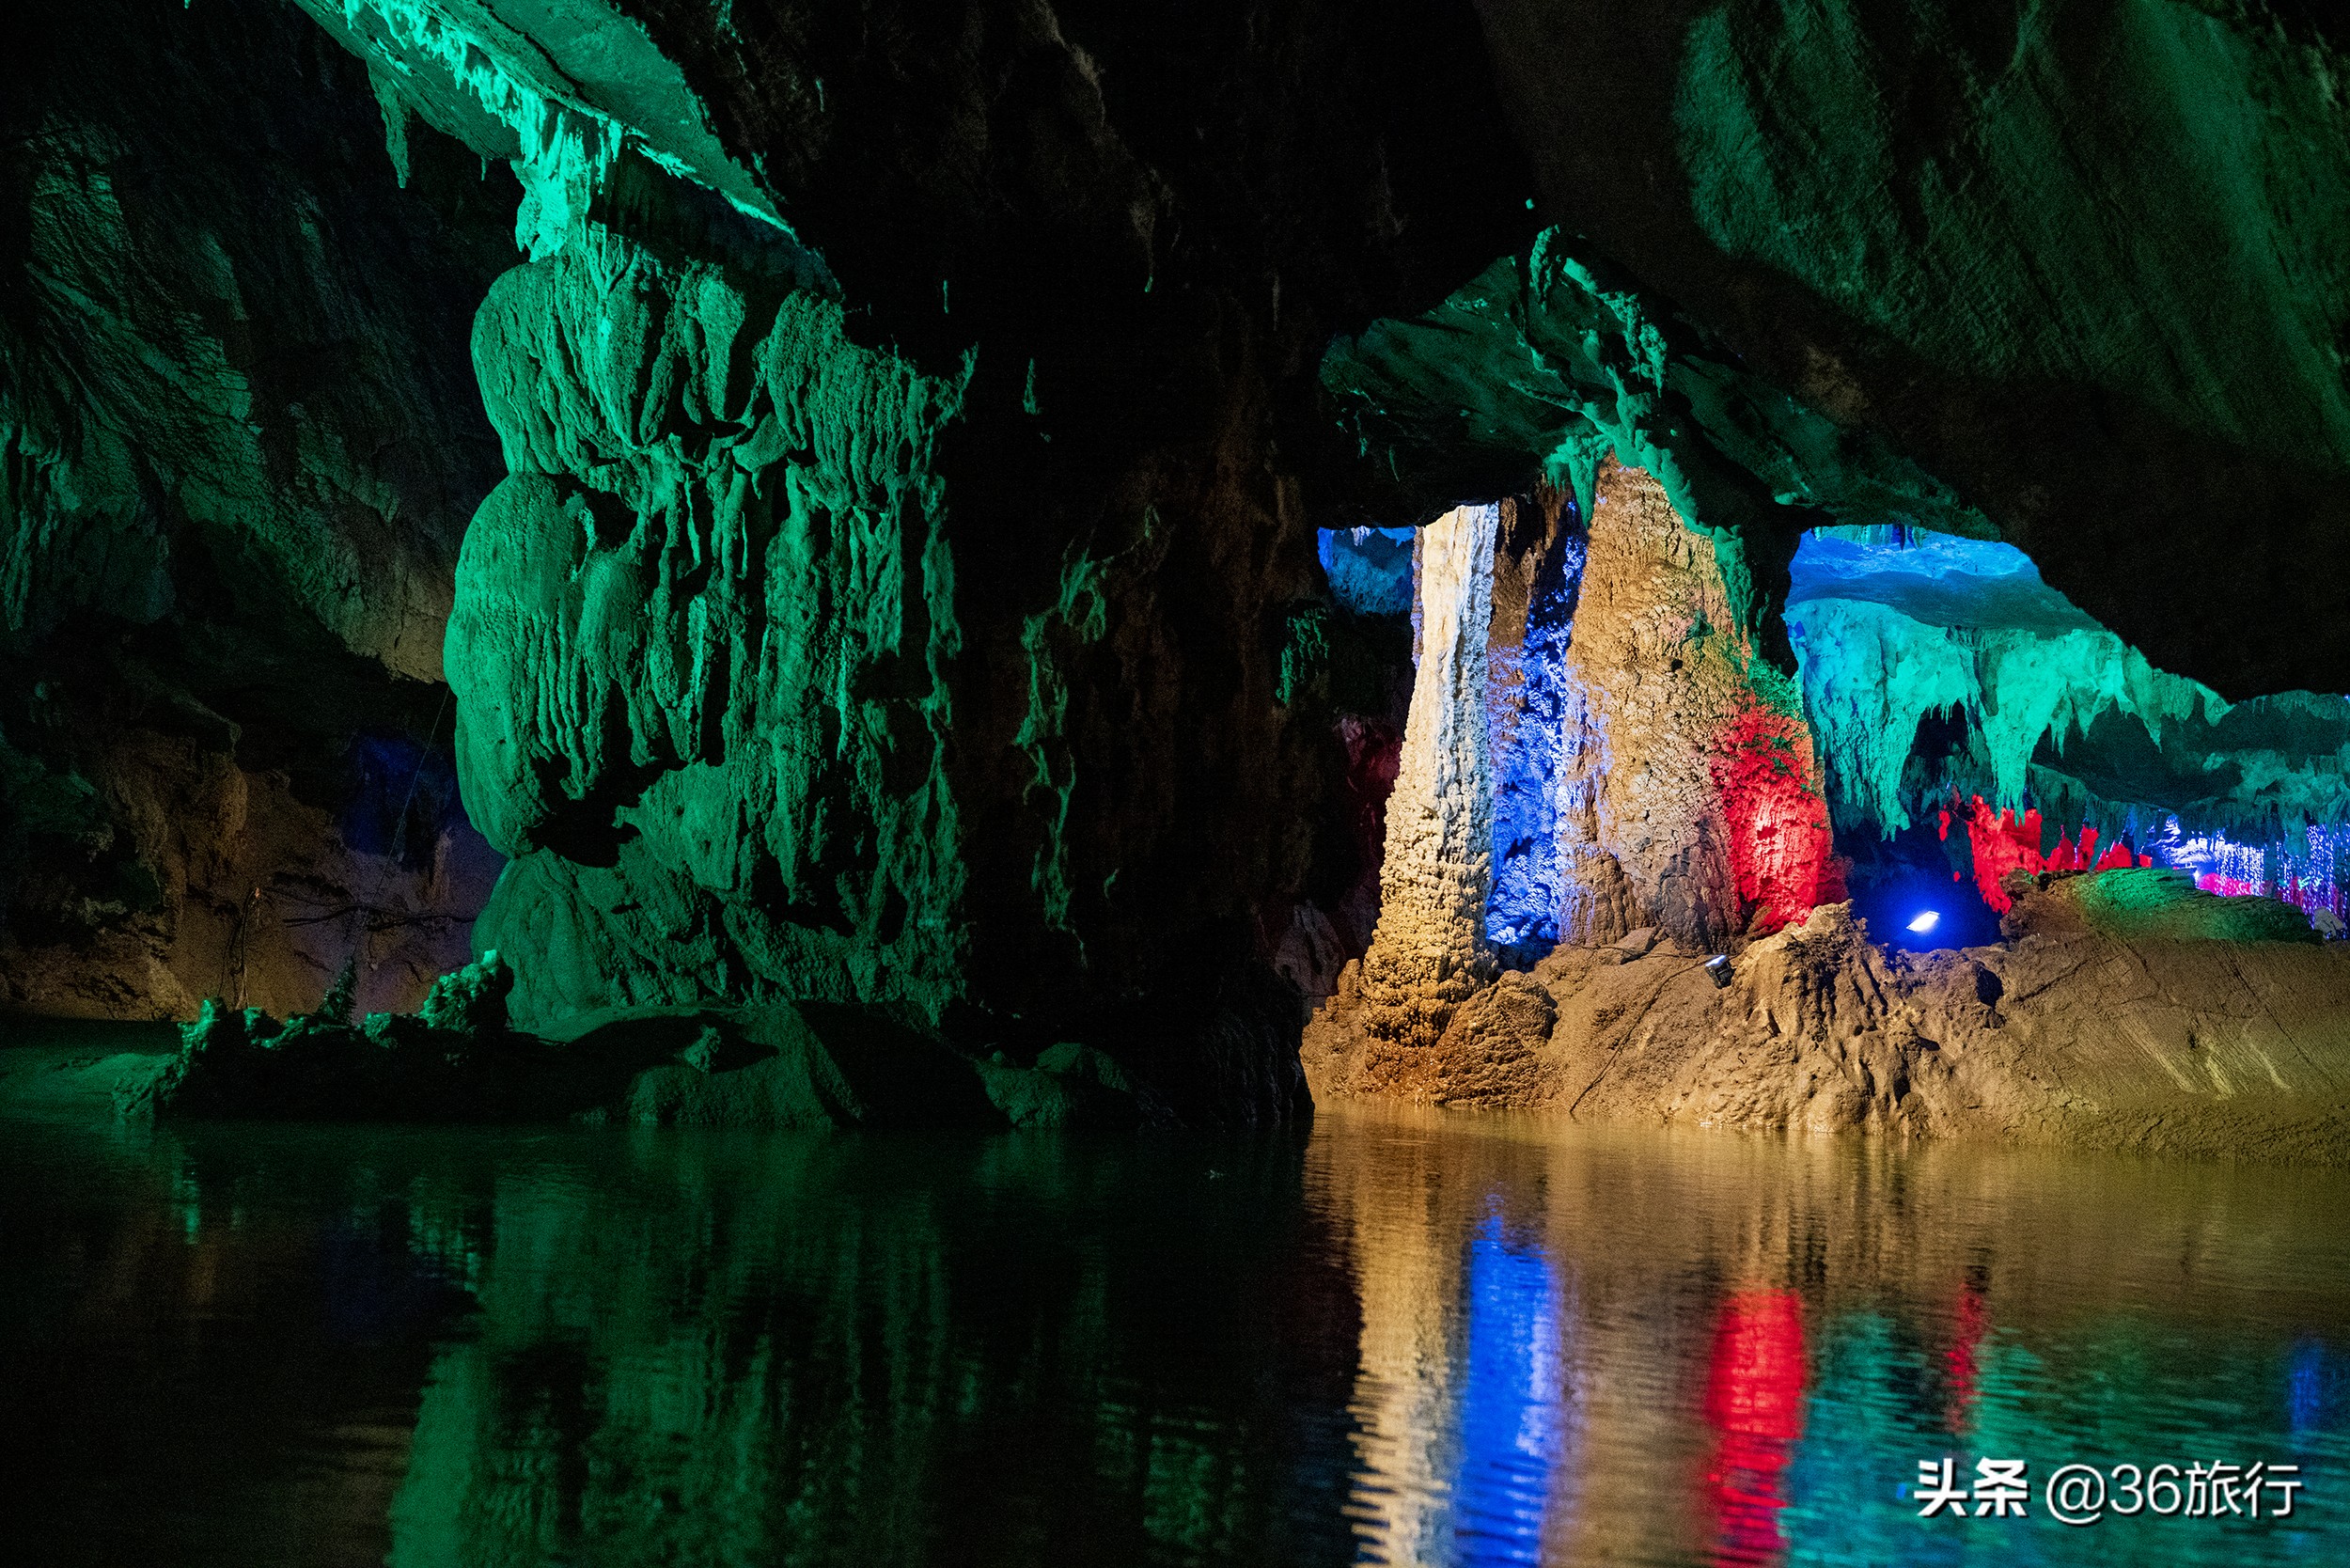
{"x": 700, "y": 640}
{"x": 237, "y": 448}
{"x": 893, "y": 598}
{"x": 2056, "y": 711}
{"x": 2085, "y": 261}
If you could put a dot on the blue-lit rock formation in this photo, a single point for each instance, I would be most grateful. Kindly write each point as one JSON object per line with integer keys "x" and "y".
{"x": 1369, "y": 570}
{"x": 1530, "y": 719}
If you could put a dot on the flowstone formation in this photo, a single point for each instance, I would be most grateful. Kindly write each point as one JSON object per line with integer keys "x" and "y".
{"x": 1783, "y": 628}
{"x": 700, "y": 644}
{"x": 1530, "y": 697}
{"x": 1689, "y": 796}
{"x": 236, "y": 447}
{"x": 1656, "y": 773}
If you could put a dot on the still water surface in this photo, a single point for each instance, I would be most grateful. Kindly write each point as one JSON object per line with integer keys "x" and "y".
{"x": 1411, "y": 1339}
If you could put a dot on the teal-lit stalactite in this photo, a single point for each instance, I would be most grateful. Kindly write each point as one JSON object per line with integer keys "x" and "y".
{"x": 2059, "y": 719}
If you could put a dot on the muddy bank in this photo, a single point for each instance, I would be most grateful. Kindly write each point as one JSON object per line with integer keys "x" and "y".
{"x": 2087, "y": 1028}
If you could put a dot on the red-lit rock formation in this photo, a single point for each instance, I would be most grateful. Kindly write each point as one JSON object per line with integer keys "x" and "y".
{"x": 1691, "y": 795}
{"x": 2001, "y": 844}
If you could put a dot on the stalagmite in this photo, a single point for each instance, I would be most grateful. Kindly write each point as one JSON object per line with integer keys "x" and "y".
{"x": 1429, "y": 952}
{"x": 1687, "y": 795}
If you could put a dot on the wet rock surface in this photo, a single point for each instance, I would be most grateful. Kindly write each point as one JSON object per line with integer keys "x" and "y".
{"x": 2076, "y": 1031}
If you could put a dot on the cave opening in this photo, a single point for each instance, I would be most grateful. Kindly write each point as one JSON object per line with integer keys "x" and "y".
{"x": 2036, "y": 744}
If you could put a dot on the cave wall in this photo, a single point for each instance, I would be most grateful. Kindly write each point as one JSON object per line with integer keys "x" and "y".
{"x": 902, "y": 590}
{"x": 237, "y": 444}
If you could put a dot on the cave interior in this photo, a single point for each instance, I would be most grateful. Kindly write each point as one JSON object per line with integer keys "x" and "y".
{"x": 1078, "y": 542}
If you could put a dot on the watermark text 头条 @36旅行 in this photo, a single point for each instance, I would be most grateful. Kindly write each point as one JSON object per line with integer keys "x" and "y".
{"x": 2083, "y": 1494}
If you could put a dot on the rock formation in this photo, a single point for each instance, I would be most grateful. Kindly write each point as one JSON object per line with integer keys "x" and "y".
{"x": 2084, "y": 263}
{"x": 237, "y": 448}
{"x": 1428, "y": 951}
{"x": 896, "y": 596}
{"x": 1688, "y": 794}
{"x": 2122, "y": 1015}
{"x": 900, "y": 567}
{"x": 1529, "y": 694}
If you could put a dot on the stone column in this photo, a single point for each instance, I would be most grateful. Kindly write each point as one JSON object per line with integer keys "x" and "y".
{"x": 1689, "y": 796}
{"x": 1538, "y": 566}
{"x": 1428, "y": 953}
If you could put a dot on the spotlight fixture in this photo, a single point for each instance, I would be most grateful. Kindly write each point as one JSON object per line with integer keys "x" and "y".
{"x": 1926, "y": 921}
{"x": 1717, "y": 970}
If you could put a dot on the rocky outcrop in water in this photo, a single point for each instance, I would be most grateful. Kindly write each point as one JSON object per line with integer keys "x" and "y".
{"x": 2127, "y": 1011}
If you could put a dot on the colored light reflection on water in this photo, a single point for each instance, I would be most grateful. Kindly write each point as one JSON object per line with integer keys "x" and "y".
{"x": 1512, "y": 1430}
{"x": 1754, "y": 1402}
{"x": 1410, "y": 1339}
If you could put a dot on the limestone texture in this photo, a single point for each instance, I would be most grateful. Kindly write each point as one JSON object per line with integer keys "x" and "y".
{"x": 860, "y": 505}
{"x": 1428, "y": 951}
{"x": 2167, "y": 1032}
{"x": 2058, "y": 711}
{"x": 2083, "y": 261}
{"x": 237, "y": 444}
{"x": 901, "y": 594}
{"x": 698, "y": 648}
{"x": 1539, "y": 557}
{"x": 1688, "y": 790}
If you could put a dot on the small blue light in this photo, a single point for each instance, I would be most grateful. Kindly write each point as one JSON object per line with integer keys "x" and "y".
{"x": 1926, "y": 921}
